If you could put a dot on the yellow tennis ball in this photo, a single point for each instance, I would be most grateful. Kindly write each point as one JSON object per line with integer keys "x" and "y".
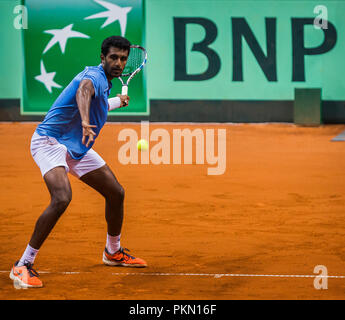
{"x": 142, "y": 145}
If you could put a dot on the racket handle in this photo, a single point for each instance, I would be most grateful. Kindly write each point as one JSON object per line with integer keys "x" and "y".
{"x": 124, "y": 90}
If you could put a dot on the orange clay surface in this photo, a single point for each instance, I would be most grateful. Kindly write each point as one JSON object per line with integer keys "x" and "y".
{"x": 279, "y": 209}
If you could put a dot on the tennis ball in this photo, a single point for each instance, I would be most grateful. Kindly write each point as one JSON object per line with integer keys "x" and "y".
{"x": 142, "y": 145}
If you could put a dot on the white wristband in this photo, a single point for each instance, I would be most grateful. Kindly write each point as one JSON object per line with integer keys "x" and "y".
{"x": 114, "y": 103}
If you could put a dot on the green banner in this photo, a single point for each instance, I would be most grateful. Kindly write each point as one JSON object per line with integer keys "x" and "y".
{"x": 245, "y": 50}
{"x": 63, "y": 37}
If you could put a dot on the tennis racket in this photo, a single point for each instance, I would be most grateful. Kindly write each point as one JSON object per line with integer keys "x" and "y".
{"x": 136, "y": 61}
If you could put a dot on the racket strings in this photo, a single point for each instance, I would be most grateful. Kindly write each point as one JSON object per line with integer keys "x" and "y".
{"x": 135, "y": 59}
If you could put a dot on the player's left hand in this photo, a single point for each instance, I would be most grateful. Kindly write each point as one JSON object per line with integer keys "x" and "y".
{"x": 88, "y": 132}
{"x": 124, "y": 100}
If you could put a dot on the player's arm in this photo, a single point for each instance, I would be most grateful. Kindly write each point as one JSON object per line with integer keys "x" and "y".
{"x": 84, "y": 95}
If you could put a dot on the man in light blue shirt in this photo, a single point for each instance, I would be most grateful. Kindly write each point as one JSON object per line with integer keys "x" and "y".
{"x": 63, "y": 143}
{"x": 63, "y": 121}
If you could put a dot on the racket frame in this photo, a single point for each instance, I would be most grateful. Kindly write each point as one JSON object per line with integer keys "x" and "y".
{"x": 124, "y": 90}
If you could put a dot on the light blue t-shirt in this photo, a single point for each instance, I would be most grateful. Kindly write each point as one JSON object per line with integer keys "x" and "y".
{"x": 63, "y": 121}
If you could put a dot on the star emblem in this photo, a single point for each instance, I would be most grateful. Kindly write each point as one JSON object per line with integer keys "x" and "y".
{"x": 61, "y": 36}
{"x": 47, "y": 78}
{"x": 113, "y": 14}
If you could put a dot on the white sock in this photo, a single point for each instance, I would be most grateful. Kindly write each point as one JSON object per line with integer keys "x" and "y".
{"x": 113, "y": 243}
{"x": 29, "y": 255}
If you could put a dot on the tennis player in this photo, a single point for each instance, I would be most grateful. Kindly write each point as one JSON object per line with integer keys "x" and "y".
{"x": 63, "y": 143}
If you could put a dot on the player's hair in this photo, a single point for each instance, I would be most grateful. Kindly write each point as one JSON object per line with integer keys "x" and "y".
{"x": 117, "y": 42}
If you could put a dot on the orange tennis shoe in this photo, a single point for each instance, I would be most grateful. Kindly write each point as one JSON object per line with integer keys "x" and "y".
{"x": 121, "y": 258}
{"x": 25, "y": 276}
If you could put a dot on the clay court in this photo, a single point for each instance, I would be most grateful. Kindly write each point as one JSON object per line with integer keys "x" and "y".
{"x": 277, "y": 210}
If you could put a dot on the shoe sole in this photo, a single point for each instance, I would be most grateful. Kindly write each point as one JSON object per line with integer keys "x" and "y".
{"x": 20, "y": 283}
{"x": 121, "y": 264}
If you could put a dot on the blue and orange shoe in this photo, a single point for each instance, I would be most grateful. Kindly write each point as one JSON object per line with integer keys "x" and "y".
{"x": 25, "y": 276}
{"x": 121, "y": 258}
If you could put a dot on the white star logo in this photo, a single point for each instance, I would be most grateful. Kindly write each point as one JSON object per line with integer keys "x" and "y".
{"x": 61, "y": 36}
{"x": 113, "y": 13}
{"x": 47, "y": 78}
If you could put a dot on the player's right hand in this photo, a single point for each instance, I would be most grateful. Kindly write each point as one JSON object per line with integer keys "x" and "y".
{"x": 124, "y": 100}
{"x": 88, "y": 132}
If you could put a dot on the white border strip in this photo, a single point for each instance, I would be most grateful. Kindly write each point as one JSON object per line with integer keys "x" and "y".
{"x": 213, "y": 275}
{"x": 176, "y": 123}
{"x": 220, "y": 275}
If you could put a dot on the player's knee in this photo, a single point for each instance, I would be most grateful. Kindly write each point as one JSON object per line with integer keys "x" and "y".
{"x": 61, "y": 202}
{"x": 117, "y": 194}
{"x": 121, "y": 192}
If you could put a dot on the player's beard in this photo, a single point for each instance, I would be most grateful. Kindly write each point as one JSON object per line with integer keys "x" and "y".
{"x": 113, "y": 72}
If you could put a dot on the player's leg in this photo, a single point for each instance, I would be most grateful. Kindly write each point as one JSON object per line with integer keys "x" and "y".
{"x": 61, "y": 194}
{"x": 50, "y": 156}
{"x": 60, "y": 191}
{"x": 93, "y": 171}
{"x": 104, "y": 181}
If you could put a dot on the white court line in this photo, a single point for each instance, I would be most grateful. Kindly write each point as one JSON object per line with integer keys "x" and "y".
{"x": 214, "y": 275}
{"x": 173, "y": 123}
{"x": 220, "y": 275}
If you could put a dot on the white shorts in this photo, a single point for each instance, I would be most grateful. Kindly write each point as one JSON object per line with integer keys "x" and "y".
{"x": 48, "y": 153}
